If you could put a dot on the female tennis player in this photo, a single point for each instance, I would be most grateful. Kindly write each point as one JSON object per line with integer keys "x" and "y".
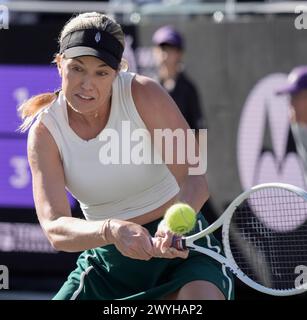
{"x": 122, "y": 202}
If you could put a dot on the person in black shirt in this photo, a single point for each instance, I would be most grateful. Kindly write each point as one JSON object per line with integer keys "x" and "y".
{"x": 168, "y": 52}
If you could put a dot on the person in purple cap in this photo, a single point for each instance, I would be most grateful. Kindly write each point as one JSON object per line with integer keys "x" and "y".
{"x": 296, "y": 89}
{"x": 168, "y": 53}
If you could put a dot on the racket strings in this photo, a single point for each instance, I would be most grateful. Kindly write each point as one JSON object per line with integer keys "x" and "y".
{"x": 268, "y": 237}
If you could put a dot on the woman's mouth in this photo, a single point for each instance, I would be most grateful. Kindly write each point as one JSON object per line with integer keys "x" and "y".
{"x": 85, "y": 97}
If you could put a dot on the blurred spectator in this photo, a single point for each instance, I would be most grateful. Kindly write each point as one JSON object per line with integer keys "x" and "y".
{"x": 168, "y": 53}
{"x": 296, "y": 89}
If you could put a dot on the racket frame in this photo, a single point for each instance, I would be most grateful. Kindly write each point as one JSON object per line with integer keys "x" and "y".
{"x": 228, "y": 261}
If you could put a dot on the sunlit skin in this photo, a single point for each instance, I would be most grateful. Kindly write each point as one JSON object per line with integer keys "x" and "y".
{"x": 87, "y": 86}
{"x": 299, "y": 107}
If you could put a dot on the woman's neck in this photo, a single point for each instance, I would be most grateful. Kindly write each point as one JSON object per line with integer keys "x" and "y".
{"x": 98, "y": 116}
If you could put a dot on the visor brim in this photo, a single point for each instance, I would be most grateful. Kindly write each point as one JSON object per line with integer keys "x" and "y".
{"x": 103, "y": 55}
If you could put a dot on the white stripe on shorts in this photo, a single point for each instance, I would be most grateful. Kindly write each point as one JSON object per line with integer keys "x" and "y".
{"x": 83, "y": 274}
{"x": 218, "y": 250}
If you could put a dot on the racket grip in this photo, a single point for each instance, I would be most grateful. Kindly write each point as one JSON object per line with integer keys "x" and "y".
{"x": 179, "y": 243}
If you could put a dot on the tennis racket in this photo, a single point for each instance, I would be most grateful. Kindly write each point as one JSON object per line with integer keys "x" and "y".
{"x": 264, "y": 236}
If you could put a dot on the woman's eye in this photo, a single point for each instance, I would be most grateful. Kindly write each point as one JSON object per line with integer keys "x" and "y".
{"x": 78, "y": 69}
{"x": 101, "y": 73}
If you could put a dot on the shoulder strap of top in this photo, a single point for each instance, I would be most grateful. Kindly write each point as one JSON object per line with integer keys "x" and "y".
{"x": 53, "y": 118}
{"x": 126, "y": 101}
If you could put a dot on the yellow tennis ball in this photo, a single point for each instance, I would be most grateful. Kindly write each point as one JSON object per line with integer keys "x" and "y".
{"x": 180, "y": 218}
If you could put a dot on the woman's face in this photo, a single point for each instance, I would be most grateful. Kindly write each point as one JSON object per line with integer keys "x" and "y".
{"x": 86, "y": 83}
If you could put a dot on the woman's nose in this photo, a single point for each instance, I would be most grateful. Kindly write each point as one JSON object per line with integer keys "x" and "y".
{"x": 87, "y": 83}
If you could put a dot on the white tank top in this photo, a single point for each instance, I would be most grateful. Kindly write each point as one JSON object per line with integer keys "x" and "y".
{"x": 121, "y": 191}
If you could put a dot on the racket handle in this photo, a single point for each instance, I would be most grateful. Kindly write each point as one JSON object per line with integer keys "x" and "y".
{"x": 179, "y": 243}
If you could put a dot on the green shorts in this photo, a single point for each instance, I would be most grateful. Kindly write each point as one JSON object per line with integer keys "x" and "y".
{"x": 105, "y": 274}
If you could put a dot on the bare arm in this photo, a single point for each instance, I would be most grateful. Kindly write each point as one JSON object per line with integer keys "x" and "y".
{"x": 63, "y": 231}
{"x": 159, "y": 111}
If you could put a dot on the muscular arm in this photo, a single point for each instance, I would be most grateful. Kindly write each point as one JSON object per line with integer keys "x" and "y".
{"x": 63, "y": 231}
{"x": 159, "y": 111}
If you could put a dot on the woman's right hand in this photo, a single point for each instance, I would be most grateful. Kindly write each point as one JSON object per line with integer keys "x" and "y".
{"x": 131, "y": 239}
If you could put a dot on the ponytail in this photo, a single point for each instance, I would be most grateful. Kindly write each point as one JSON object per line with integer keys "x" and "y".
{"x": 31, "y": 108}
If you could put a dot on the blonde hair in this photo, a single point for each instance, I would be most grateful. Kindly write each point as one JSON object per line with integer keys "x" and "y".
{"x": 93, "y": 20}
{"x": 29, "y": 110}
